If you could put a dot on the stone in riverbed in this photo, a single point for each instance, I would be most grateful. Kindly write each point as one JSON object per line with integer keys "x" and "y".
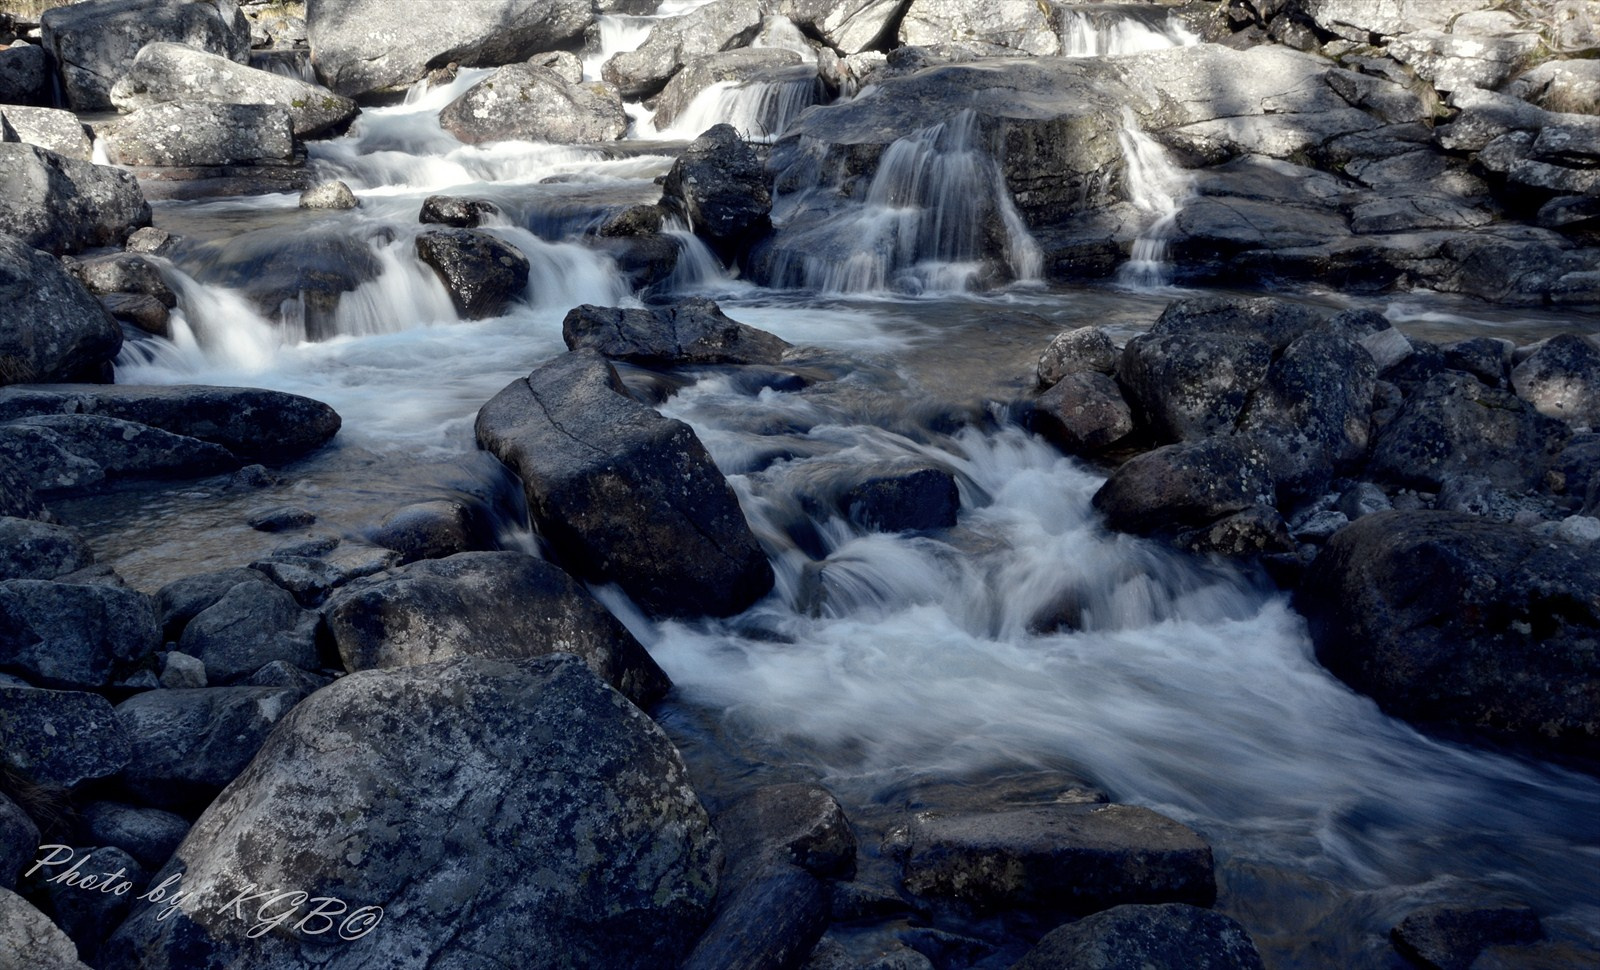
{"x": 253, "y": 423}
{"x": 520, "y": 102}
{"x": 63, "y": 205}
{"x": 75, "y": 637}
{"x": 164, "y": 72}
{"x": 623, "y": 494}
{"x": 449, "y": 210}
{"x": 251, "y": 625}
{"x": 54, "y": 328}
{"x": 726, "y": 67}
{"x": 1505, "y": 649}
{"x": 191, "y": 134}
{"x": 186, "y": 745}
{"x": 1082, "y": 413}
{"x": 123, "y": 273}
{"x": 466, "y": 770}
{"x": 719, "y": 187}
{"x": 1058, "y": 859}
{"x": 1086, "y": 349}
{"x": 718, "y": 26}
{"x": 1451, "y": 937}
{"x": 148, "y": 834}
{"x": 59, "y": 131}
{"x": 24, "y": 76}
{"x": 71, "y": 452}
{"x": 850, "y": 27}
{"x": 34, "y": 941}
{"x": 1185, "y": 386}
{"x": 361, "y": 46}
{"x": 1187, "y": 485}
{"x": 900, "y": 496}
{"x": 329, "y": 195}
{"x": 497, "y": 605}
{"x": 60, "y": 738}
{"x": 38, "y": 550}
{"x": 483, "y": 274}
{"x": 1172, "y": 936}
{"x": 94, "y": 42}
{"x": 1561, "y": 379}
{"x": 695, "y": 331}
{"x": 434, "y": 529}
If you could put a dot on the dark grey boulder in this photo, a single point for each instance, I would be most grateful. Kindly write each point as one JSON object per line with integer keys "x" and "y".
{"x": 68, "y": 452}
{"x": 39, "y": 550}
{"x": 1086, "y": 349}
{"x": 306, "y": 578}
{"x": 993, "y": 30}
{"x": 93, "y": 43}
{"x": 1173, "y": 936}
{"x": 1505, "y": 649}
{"x": 800, "y": 824}
{"x": 59, "y": 131}
{"x": 623, "y": 494}
{"x": 717, "y": 26}
{"x": 434, "y": 529}
{"x": 1082, "y": 412}
{"x": 250, "y": 626}
{"x": 150, "y": 835}
{"x": 1255, "y": 531}
{"x": 76, "y": 637}
{"x": 718, "y": 186}
{"x": 1276, "y": 322}
{"x": 165, "y": 72}
{"x": 86, "y": 915}
{"x": 182, "y": 600}
{"x": 695, "y": 331}
{"x": 17, "y": 498}
{"x": 54, "y": 328}
{"x": 60, "y": 738}
{"x": 1187, "y": 485}
{"x": 361, "y": 46}
{"x": 464, "y": 770}
{"x": 497, "y": 605}
{"x": 309, "y": 267}
{"x": 1451, "y": 937}
{"x": 1058, "y": 859}
{"x": 899, "y": 496}
{"x": 36, "y": 941}
{"x": 521, "y": 102}
{"x": 19, "y": 841}
{"x": 280, "y": 518}
{"x": 186, "y": 745}
{"x": 635, "y": 220}
{"x": 454, "y": 211}
{"x": 1185, "y": 386}
{"x": 1561, "y": 379}
{"x": 1486, "y": 358}
{"x": 24, "y": 76}
{"x": 63, "y": 205}
{"x": 253, "y": 423}
{"x": 1453, "y": 425}
{"x": 483, "y": 274}
{"x": 1313, "y": 412}
{"x": 194, "y": 134}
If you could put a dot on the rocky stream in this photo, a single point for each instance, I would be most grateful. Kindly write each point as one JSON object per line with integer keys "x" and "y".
{"x": 800, "y": 484}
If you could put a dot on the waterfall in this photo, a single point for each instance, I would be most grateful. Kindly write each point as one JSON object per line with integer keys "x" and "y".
{"x": 1101, "y": 31}
{"x": 935, "y": 215}
{"x": 1157, "y": 188}
{"x": 293, "y": 63}
{"x": 759, "y": 110}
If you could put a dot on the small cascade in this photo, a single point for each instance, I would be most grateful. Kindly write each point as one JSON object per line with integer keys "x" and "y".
{"x": 615, "y": 34}
{"x": 1157, "y": 188}
{"x": 1106, "y": 31}
{"x": 759, "y": 110}
{"x": 935, "y": 215}
{"x": 294, "y": 62}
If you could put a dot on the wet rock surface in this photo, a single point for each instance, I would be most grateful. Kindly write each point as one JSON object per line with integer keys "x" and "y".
{"x": 692, "y": 332}
{"x": 483, "y": 274}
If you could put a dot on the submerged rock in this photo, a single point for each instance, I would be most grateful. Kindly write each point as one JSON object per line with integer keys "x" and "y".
{"x": 694, "y": 331}
{"x": 496, "y": 605}
{"x": 1504, "y": 650}
{"x": 623, "y": 494}
{"x": 470, "y": 769}
{"x": 63, "y": 205}
{"x": 1451, "y": 937}
{"x": 93, "y": 43}
{"x": 527, "y": 103}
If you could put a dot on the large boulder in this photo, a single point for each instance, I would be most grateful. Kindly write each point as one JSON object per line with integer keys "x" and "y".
{"x": 1186, "y": 386}
{"x": 719, "y": 187}
{"x": 54, "y": 329}
{"x": 1004, "y": 28}
{"x": 187, "y": 744}
{"x": 195, "y": 134}
{"x": 1082, "y": 413}
{"x": 24, "y": 76}
{"x": 94, "y": 42}
{"x": 1058, "y": 859}
{"x": 1561, "y": 379}
{"x": 59, "y": 738}
{"x": 32, "y": 940}
{"x": 76, "y": 637}
{"x": 717, "y": 26}
{"x": 72, "y": 452}
{"x": 19, "y": 841}
{"x": 164, "y": 72}
{"x": 148, "y": 834}
{"x": 1187, "y": 485}
{"x": 404, "y": 796}
{"x": 63, "y": 205}
{"x": 1447, "y": 619}
{"x": 40, "y": 550}
{"x": 695, "y": 331}
{"x": 359, "y": 46}
{"x": 499, "y": 605}
{"x": 253, "y": 423}
{"x": 51, "y": 128}
{"x": 482, "y": 273}
{"x": 623, "y": 494}
{"x": 250, "y": 626}
{"x": 522, "y": 102}
{"x": 1172, "y": 936}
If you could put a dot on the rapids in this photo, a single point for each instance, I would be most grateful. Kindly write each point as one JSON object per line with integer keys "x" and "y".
{"x": 904, "y": 671}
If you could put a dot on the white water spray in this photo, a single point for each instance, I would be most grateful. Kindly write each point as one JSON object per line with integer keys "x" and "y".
{"x": 1108, "y": 31}
{"x": 1157, "y": 188}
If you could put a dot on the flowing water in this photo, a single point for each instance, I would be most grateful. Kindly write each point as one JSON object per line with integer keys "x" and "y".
{"x": 1023, "y": 652}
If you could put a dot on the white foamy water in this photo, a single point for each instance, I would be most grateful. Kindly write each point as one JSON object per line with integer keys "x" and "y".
{"x": 1109, "y": 31}
{"x": 1158, "y": 188}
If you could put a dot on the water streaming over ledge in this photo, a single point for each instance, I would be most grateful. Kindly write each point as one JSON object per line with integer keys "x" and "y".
{"x": 1157, "y": 187}
{"x": 1027, "y": 642}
